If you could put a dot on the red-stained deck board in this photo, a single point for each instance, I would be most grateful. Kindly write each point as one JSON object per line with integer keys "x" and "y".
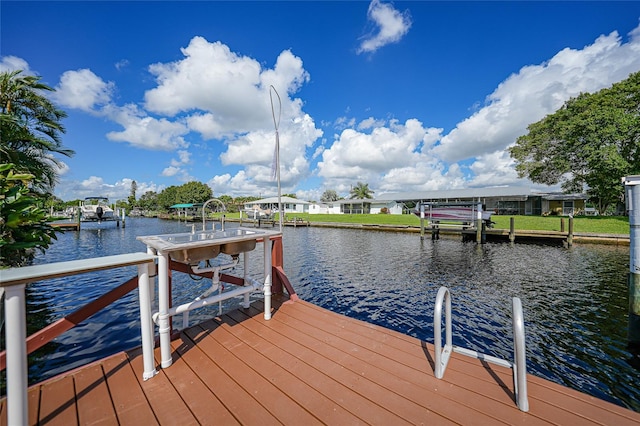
{"x": 305, "y": 366}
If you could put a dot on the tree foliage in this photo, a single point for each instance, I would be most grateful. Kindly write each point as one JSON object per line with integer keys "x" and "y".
{"x": 148, "y": 201}
{"x": 589, "y": 144}
{"x": 361, "y": 191}
{"x": 329, "y": 195}
{"x": 190, "y": 192}
{"x": 30, "y": 129}
{"x": 132, "y": 195}
{"x": 23, "y": 225}
{"x": 30, "y": 139}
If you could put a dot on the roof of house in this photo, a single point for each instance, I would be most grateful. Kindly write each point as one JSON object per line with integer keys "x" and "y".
{"x": 274, "y": 200}
{"x": 185, "y": 205}
{"x": 497, "y": 191}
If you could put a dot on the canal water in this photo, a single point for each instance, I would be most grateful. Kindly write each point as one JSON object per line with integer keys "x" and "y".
{"x": 575, "y": 300}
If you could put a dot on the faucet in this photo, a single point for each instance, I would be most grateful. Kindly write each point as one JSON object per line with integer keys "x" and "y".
{"x": 224, "y": 208}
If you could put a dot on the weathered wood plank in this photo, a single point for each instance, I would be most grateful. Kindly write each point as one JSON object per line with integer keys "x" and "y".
{"x": 92, "y": 395}
{"x": 129, "y": 401}
{"x": 202, "y": 402}
{"x": 58, "y": 403}
{"x": 235, "y": 398}
{"x": 166, "y": 403}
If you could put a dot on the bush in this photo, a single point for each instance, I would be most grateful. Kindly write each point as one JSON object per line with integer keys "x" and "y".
{"x": 23, "y": 225}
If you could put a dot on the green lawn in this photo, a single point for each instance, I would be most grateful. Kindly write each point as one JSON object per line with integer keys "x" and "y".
{"x": 594, "y": 224}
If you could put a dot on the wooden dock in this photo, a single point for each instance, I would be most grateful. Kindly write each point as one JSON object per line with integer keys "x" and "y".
{"x": 307, "y": 365}
{"x": 66, "y": 226}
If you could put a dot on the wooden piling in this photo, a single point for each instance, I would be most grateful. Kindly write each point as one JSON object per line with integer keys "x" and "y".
{"x": 512, "y": 229}
{"x": 570, "y": 235}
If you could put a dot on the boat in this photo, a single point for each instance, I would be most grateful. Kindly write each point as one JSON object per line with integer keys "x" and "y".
{"x": 256, "y": 213}
{"x": 467, "y": 213}
{"x": 96, "y": 209}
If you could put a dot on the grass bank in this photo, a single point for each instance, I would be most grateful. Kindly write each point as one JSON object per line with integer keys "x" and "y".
{"x": 587, "y": 224}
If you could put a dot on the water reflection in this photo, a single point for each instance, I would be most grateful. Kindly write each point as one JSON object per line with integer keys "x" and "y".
{"x": 575, "y": 300}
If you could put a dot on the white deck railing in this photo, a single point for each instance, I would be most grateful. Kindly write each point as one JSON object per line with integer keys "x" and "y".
{"x": 13, "y": 281}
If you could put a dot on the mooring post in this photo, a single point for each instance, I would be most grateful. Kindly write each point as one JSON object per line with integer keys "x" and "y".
{"x": 570, "y": 235}
{"x": 512, "y": 229}
{"x": 479, "y": 223}
{"x": 632, "y": 192}
{"x": 562, "y": 224}
{"x": 421, "y": 221}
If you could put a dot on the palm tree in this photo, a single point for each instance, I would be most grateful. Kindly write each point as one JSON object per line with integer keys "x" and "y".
{"x": 30, "y": 129}
{"x": 30, "y": 136}
{"x": 361, "y": 191}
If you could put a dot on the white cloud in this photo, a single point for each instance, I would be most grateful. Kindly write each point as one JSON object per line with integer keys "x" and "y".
{"x": 391, "y": 26}
{"x": 96, "y": 186}
{"x": 384, "y": 157}
{"x": 538, "y": 90}
{"x": 170, "y": 171}
{"x": 143, "y": 131}
{"x": 83, "y": 90}
{"x": 184, "y": 157}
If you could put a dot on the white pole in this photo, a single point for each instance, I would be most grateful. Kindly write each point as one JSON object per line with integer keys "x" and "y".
{"x": 16, "y": 338}
{"x": 146, "y": 329}
{"x": 267, "y": 278}
{"x": 164, "y": 321}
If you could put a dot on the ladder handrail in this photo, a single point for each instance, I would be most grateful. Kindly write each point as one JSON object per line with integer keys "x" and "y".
{"x": 519, "y": 356}
{"x": 442, "y": 355}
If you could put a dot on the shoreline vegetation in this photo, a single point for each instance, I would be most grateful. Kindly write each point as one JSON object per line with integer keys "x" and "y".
{"x": 615, "y": 225}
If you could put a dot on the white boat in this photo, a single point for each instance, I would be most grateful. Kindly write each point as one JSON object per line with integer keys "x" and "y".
{"x": 96, "y": 209}
{"x": 257, "y": 213}
{"x": 453, "y": 212}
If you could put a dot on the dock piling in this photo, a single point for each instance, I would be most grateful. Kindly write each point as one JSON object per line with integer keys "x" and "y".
{"x": 632, "y": 192}
{"x": 512, "y": 229}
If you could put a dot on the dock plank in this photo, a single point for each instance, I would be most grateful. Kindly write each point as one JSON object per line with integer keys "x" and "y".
{"x": 246, "y": 409}
{"x": 92, "y": 396}
{"x": 58, "y": 403}
{"x": 166, "y": 403}
{"x": 127, "y": 396}
{"x": 266, "y": 359}
{"x": 380, "y": 373}
{"x": 273, "y": 399}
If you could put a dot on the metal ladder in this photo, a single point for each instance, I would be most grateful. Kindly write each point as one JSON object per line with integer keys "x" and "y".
{"x": 442, "y": 355}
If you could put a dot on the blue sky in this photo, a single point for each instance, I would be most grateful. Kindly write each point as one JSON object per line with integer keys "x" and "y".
{"x": 403, "y": 96}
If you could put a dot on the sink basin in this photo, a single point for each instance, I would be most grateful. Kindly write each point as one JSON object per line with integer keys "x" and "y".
{"x": 202, "y": 245}
{"x": 194, "y": 254}
{"x": 238, "y": 247}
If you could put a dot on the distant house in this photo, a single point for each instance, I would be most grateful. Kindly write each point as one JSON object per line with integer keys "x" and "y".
{"x": 289, "y": 205}
{"x": 501, "y": 200}
{"x": 356, "y": 206}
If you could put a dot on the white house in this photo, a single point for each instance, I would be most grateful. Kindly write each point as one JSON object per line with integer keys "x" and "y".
{"x": 356, "y": 206}
{"x": 289, "y": 205}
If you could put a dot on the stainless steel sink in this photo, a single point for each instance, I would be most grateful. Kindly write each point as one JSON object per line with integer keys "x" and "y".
{"x": 202, "y": 245}
{"x": 238, "y": 247}
{"x": 195, "y": 254}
